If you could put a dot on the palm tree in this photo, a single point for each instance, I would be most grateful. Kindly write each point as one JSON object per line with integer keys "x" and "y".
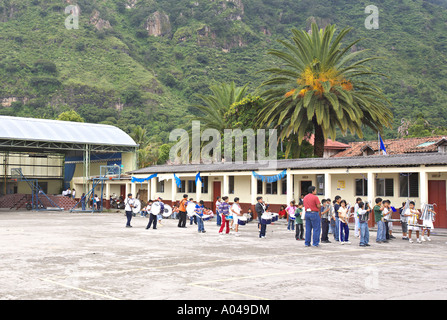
{"x": 217, "y": 104}
{"x": 139, "y": 135}
{"x": 321, "y": 87}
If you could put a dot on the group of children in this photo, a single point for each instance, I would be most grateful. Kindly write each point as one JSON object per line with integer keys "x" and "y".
{"x": 335, "y": 215}
{"x": 200, "y": 211}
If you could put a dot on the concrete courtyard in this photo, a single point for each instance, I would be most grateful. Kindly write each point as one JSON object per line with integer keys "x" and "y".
{"x": 83, "y": 256}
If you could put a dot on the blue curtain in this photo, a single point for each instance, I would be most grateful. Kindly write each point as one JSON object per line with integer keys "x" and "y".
{"x": 68, "y": 176}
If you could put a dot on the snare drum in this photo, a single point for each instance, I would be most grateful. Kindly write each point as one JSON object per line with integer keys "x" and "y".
{"x": 228, "y": 218}
{"x": 242, "y": 221}
{"x": 266, "y": 219}
{"x": 206, "y": 217}
{"x": 275, "y": 217}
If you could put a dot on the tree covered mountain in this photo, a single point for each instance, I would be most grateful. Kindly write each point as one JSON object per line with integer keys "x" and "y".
{"x": 142, "y": 62}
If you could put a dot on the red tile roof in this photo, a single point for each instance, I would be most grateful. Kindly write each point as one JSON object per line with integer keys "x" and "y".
{"x": 330, "y": 144}
{"x": 393, "y": 146}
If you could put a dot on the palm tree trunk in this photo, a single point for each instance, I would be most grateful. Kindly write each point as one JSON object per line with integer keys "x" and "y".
{"x": 318, "y": 140}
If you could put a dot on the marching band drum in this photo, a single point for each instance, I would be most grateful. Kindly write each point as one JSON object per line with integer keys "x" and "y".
{"x": 191, "y": 209}
{"x": 167, "y": 211}
{"x": 156, "y": 208}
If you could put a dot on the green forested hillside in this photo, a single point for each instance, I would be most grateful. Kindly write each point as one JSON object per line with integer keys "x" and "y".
{"x": 141, "y": 62}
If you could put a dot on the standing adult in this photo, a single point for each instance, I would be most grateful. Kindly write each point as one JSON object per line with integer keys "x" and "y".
{"x": 83, "y": 202}
{"x": 312, "y": 216}
{"x": 128, "y": 208}
{"x": 182, "y": 212}
{"x": 219, "y": 218}
{"x": 260, "y": 208}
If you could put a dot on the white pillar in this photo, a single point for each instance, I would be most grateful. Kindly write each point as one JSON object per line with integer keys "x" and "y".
{"x": 371, "y": 188}
{"x": 133, "y": 189}
{"x": 198, "y": 190}
{"x": 107, "y": 190}
{"x": 173, "y": 189}
{"x": 254, "y": 189}
{"x": 226, "y": 185}
{"x": 423, "y": 187}
{"x": 127, "y": 190}
{"x": 153, "y": 187}
{"x": 289, "y": 182}
{"x": 148, "y": 190}
{"x": 328, "y": 186}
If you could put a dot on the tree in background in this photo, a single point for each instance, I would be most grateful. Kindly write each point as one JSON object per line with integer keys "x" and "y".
{"x": 217, "y": 104}
{"x": 320, "y": 86}
{"x": 70, "y": 115}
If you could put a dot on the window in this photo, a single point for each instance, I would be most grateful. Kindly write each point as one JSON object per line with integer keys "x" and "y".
{"x": 284, "y": 186}
{"x": 409, "y": 184}
{"x": 183, "y": 188}
{"x": 204, "y": 184}
{"x": 361, "y": 187}
{"x": 231, "y": 184}
{"x": 385, "y": 187}
{"x": 191, "y": 186}
{"x": 260, "y": 187}
{"x": 161, "y": 186}
{"x": 320, "y": 184}
{"x": 271, "y": 187}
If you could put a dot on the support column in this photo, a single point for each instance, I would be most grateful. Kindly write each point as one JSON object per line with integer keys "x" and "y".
{"x": 148, "y": 190}
{"x": 254, "y": 189}
{"x": 133, "y": 189}
{"x": 371, "y": 188}
{"x": 328, "y": 186}
{"x": 198, "y": 190}
{"x": 153, "y": 188}
{"x": 107, "y": 199}
{"x": 423, "y": 187}
{"x": 289, "y": 182}
{"x": 226, "y": 185}
{"x": 173, "y": 190}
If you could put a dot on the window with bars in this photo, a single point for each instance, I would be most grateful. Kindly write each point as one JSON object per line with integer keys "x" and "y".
{"x": 192, "y": 186}
{"x": 271, "y": 187}
{"x": 385, "y": 187}
{"x": 409, "y": 185}
{"x": 161, "y": 186}
{"x": 182, "y": 189}
{"x": 361, "y": 187}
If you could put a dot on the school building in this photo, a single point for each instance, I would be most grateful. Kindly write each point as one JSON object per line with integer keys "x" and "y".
{"x": 57, "y": 155}
{"x": 419, "y": 175}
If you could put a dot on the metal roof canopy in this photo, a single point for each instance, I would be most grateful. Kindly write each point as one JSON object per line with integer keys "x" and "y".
{"x": 42, "y": 135}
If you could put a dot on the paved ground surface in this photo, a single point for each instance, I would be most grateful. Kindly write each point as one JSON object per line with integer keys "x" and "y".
{"x": 93, "y": 256}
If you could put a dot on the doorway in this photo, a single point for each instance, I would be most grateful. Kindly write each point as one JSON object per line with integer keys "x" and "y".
{"x": 216, "y": 193}
{"x": 305, "y": 186}
{"x": 437, "y": 194}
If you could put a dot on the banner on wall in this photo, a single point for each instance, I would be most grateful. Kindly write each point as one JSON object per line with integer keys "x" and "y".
{"x": 143, "y": 179}
{"x": 270, "y": 179}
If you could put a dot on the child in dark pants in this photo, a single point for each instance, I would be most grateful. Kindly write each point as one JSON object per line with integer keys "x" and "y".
{"x": 299, "y": 233}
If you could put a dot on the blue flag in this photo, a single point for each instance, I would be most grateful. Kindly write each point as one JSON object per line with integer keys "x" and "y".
{"x": 382, "y": 145}
{"x": 198, "y": 177}
{"x": 178, "y": 181}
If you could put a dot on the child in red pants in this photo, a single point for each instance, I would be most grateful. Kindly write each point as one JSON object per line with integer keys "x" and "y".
{"x": 224, "y": 210}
